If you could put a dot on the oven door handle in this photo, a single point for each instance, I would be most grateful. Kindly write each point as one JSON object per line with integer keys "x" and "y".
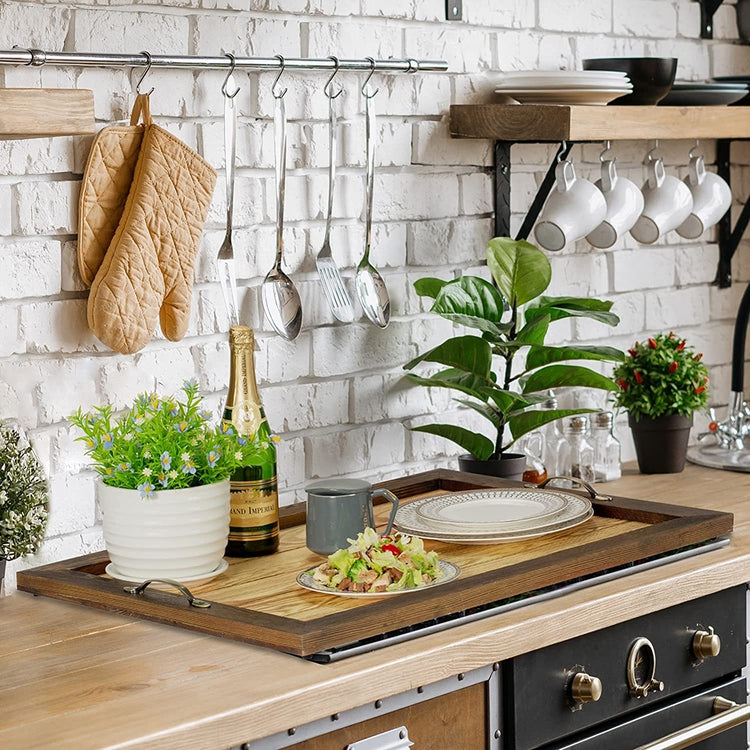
{"x": 728, "y": 715}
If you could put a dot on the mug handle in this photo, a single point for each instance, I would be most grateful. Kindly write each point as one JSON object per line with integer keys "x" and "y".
{"x": 391, "y": 498}
{"x": 609, "y": 175}
{"x": 697, "y": 170}
{"x": 565, "y": 175}
{"x": 657, "y": 173}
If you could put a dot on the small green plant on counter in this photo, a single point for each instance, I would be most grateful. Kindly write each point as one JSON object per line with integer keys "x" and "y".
{"x": 662, "y": 375}
{"x": 23, "y": 496}
{"x": 163, "y": 443}
{"x": 512, "y": 319}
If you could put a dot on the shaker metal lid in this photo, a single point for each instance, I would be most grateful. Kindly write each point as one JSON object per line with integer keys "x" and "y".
{"x": 338, "y": 486}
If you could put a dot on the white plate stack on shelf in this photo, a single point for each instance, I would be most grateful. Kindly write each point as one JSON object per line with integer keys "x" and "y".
{"x": 492, "y": 516}
{"x": 564, "y": 86}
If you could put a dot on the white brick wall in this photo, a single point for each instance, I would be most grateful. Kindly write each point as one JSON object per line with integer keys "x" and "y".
{"x": 336, "y": 394}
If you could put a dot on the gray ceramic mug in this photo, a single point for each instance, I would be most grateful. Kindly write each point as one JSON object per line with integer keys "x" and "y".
{"x": 339, "y": 509}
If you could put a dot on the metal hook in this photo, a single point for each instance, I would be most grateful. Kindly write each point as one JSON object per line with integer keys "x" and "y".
{"x": 607, "y": 149}
{"x": 38, "y": 56}
{"x": 226, "y": 80}
{"x": 145, "y": 73}
{"x": 561, "y": 151}
{"x": 327, "y": 87}
{"x": 650, "y": 154}
{"x": 697, "y": 145}
{"x": 365, "y": 85}
{"x": 413, "y": 65}
{"x": 276, "y": 94}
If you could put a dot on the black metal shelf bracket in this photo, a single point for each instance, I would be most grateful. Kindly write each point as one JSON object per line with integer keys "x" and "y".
{"x": 708, "y": 10}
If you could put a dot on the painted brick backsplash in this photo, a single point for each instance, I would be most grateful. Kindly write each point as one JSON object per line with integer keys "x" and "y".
{"x": 336, "y": 394}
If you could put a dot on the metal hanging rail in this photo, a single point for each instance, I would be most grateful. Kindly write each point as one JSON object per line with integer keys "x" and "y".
{"x": 37, "y": 57}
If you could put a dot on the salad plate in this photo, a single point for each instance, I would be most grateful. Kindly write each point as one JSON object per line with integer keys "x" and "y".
{"x": 449, "y": 570}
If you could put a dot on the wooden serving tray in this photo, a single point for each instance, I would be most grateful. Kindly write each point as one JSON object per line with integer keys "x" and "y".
{"x": 258, "y": 601}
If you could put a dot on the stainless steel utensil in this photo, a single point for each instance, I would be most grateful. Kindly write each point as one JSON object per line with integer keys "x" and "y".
{"x": 281, "y": 302}
{"x": 225, "y": 258}
{"x": 371, "y": 289}
{"x": 333, "y": 286}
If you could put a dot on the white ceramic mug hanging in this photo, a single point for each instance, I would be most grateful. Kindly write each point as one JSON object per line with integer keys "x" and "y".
{"x": 574, "y": 208}
{"x": 668, "y": 203}
{"x": 711, "y": 198}
{"x": 624, "y": 205}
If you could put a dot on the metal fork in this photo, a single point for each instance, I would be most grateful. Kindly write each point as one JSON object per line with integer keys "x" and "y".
{"x": 225, "y": 258}
{"x": 333, "y": 286}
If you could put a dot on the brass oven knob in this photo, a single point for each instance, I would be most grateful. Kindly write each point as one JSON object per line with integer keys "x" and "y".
{"x": 585, "y": 689}
{"x": 706, "y": 644}
{"x": 641, "y": 669}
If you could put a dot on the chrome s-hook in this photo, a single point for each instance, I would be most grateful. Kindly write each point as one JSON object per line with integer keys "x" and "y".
{"x": 654, "y": 148}
{"x": 692, "y": 154}
{"x": 38, "y": 56}
{"x": 226, "y": 80}
{"x": 149, "y": 63}
{"x": 279, "y": 94}
{"x": 561, "y": 151}
{"x": 366, "y": 85}
{"x": 413, "y": 65}
{"x": 327, "y": 87}
{"x": 605, "y": 152}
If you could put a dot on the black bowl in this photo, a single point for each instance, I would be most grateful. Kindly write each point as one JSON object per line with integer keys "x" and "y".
{"x": 652, "y": 77}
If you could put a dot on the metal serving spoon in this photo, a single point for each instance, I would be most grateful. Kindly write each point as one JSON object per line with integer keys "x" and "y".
{"x": 371, "y": 289}
{"x": 281, "y": 302}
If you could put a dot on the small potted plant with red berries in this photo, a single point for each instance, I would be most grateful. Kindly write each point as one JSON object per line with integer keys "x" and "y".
{"x": 662, "y": 382}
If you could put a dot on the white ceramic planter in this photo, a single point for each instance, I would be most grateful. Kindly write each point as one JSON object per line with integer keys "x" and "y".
{"x": 177, "y": 534}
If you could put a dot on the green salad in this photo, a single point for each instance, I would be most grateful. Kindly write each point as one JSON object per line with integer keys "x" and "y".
{"x": 375, "y": 563}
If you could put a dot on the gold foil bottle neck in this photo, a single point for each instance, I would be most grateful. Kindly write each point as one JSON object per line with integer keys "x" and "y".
{"x": 241, "y": 336}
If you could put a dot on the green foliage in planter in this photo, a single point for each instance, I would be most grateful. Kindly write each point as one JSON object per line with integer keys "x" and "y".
{"x": 662, "y": 375}
{"x": 164, "y": 443}
{"x": 23, "y": 496}
{"x": 512, "y": 318}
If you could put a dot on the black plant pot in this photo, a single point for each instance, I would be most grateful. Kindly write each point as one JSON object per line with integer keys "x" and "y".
{"x": 2, "y": 574}
{"x": 661, "y": 443}
{"x": 508, "y": 466}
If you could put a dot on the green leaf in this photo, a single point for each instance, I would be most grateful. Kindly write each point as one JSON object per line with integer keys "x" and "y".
{"x": 559, "y": 376}
{"x": 535, "y": 331}
{"x": 487, "y": 411}
{"x": 473, "y": 302}
{"x": 572, "y": 307}
{"x": 479, "y": 446}
{"x": 429, "y": 287}
{"x": 458, "y": 380}
{"x": 521, "y": 270}
{"x": 546, "y": 355}
{"x": 530, "y": 420}
{"x": 507, "y": 401}
{"x": 468, "y": 353}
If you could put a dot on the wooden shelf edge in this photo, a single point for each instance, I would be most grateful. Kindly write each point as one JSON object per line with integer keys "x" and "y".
{"x": 44, "y": 113}
{"x": 557, "y": 122}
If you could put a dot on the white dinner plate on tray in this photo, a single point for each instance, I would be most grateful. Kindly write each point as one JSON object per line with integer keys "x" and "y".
{"x": 518, "y": 536}
{"x": 492, "y": 508}
{"x": 450, "y": 573}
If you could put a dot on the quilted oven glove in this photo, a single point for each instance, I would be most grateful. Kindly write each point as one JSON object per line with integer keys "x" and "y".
{"x": 104, "y": 189}
{"x": 147, "y": 271}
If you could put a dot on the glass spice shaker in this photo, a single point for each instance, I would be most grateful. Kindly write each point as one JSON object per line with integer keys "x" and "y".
{"x": 607, "y": 465}
{"x": 554, "y": 441}
{"x": 577, "y": 456}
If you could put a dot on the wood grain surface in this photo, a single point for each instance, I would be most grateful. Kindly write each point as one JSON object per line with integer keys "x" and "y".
{"x": 558, "y": 122}
{"x": 257, "y": 600}
{"x": 79, "y": 679}
{"x": 39, "y": 113}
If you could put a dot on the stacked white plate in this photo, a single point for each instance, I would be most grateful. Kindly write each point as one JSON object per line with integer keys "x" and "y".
{"x": 492, "y": 516}
{"x": 564, "y": 86}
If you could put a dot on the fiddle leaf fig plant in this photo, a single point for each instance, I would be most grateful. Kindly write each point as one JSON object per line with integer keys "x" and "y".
{"x": 513, "y": 318}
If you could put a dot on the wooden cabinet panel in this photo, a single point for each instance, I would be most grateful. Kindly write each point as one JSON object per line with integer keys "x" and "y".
{"x": 451, "y": 721}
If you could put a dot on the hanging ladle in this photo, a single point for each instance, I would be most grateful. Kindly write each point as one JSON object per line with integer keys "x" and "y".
{"x": 281, "y": 302}
{"x": 371, "y": 289}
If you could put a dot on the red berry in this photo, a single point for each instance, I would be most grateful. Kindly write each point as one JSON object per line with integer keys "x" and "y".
{"x": 673, "y": 367}
{"x": 622, "y": 384}
{"x": 638, "y": 376}
{"x": 652, "y": 343}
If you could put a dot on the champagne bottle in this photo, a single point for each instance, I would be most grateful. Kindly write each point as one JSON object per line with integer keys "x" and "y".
{"x": 254, "y": 515}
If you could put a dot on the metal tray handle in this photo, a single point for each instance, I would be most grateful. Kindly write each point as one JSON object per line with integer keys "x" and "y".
{"x": 593, "y": 494}
{"x": 184, "y": 590}
{"x": 728, "y": 715}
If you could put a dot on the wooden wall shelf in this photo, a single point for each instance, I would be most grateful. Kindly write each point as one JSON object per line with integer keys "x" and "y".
{"x": 557, "y": 122}
{"x": 41, "y": 113}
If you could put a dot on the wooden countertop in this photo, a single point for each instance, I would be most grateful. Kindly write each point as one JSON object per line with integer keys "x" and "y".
{"x": 74, "y": 677}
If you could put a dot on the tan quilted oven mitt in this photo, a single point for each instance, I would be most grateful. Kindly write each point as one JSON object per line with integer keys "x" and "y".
{"x": 104, "y": 190}
{"x": 147, "y": 271}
